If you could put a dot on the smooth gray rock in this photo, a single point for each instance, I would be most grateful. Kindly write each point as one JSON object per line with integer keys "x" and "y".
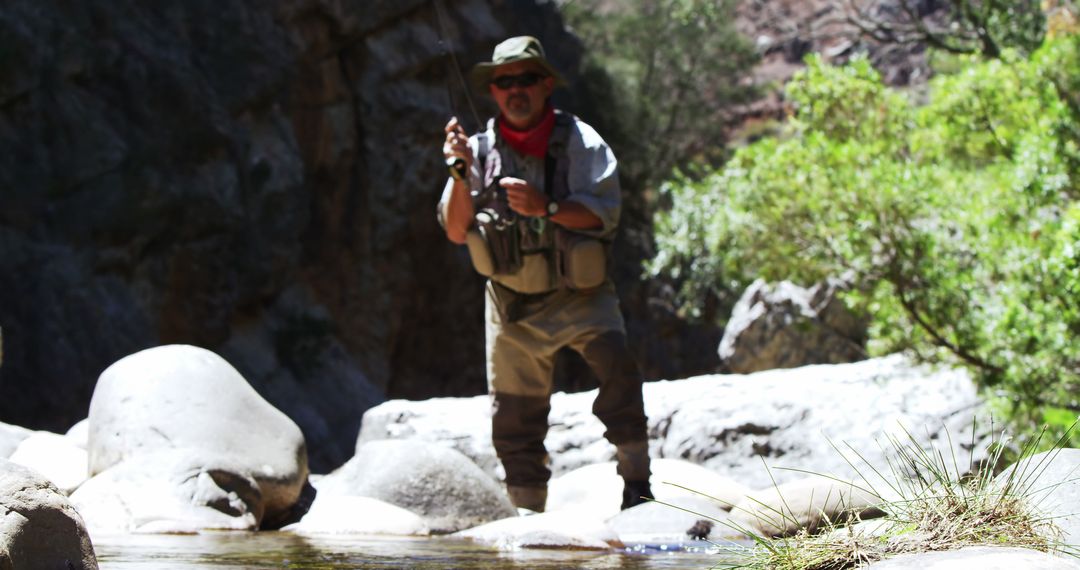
{"x": 441, "y": 485}
{"x": 807, "y": 503}
{"x": 191, "y": 401}
{"x": 748, "y": 428}
{"x": 39, "y": 528}
{"x": 1051, "y": 481}
{"x": 978, "y": 557}
{"x": 783, "y": 325}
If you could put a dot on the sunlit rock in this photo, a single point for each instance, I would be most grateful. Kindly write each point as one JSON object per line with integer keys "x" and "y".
{"x": 1051, "y": 482}
{"x": 54, "y": 456}
{"x": 598, "y": 487}
{"x": 79, "y": 433}
{"x": 190, "y": 401}
{"x": 336, "y": 514}
{"x": 441, "y": 485}
{"x": 10, "y": 438}
{"x": 39, "y": 528}
{"x": 172, "y": 491}
{"x": 782, "y": 325}
{"x": 981, "y": 557}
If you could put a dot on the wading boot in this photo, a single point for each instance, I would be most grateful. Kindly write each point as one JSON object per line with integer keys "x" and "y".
{"x": 635, "y": 492}
{"x": 632, "y": 461}
{"x": 532, "y": 498}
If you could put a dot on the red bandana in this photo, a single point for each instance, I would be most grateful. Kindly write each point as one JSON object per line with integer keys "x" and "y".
{"x": 532, "y": 142}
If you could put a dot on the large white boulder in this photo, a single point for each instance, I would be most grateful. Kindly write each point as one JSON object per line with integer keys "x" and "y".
{"x": 756, "y": 429}
{"x": 436, "y": 482}
{"x": 55, "y": 456}
{"x": 191, "y": 401}
{"x": 39, "y": 529}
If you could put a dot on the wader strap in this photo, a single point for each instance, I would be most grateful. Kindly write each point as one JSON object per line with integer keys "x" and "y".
{"x": 556, "y": 165}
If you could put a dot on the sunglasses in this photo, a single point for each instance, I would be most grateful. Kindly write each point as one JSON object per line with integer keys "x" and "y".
{"x": 522, "y": 80}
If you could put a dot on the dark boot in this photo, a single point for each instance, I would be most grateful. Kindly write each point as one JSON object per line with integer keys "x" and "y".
{"x": 635, "y": 492}
{"x": 632, "y": 463}
{"x": 532, "y": 498}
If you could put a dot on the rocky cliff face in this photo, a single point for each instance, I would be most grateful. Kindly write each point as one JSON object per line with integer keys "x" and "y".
{"x": 256, "y": 178}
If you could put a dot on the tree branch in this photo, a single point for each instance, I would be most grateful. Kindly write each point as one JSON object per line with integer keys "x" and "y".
{"x": 938, "y": 339}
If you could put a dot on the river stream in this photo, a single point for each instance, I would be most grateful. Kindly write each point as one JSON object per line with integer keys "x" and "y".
{"x": 262, "y": 550}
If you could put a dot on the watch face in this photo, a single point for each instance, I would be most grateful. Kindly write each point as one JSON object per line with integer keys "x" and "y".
{"x": 553, "y": 208}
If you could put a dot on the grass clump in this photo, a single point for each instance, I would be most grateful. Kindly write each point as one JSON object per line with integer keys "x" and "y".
{"x": 930, "y": 503}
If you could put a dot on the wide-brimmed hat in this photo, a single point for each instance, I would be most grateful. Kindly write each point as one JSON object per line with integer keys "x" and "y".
{"x": 515, "y": 49}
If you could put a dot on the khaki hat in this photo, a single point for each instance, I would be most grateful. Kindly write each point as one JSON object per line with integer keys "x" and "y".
{"x": 519, "y": 48}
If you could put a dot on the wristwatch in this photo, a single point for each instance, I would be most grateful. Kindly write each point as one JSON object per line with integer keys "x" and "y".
{"x": 552, "y": 208}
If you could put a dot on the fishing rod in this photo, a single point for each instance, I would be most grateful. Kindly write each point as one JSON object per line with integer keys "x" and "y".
{"x": 456, "y": 166}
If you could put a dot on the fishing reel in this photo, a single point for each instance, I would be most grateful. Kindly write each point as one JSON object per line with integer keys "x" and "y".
{"x": 497, "y": 213}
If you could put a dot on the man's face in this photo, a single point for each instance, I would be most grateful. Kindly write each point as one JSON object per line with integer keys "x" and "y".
{"x": 522, "y": 106}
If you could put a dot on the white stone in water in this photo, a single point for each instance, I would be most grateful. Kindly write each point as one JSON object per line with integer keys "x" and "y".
{"x": 357, "y": 515}
{"x": 568, "y": 529}
{"x": 668, "y": 522}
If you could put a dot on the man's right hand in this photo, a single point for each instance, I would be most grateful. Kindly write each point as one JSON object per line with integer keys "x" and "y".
{"x": 456, "y": 145}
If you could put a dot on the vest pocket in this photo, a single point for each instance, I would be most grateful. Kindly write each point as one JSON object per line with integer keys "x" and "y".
{"x": 582, "y": 260}
{"x": 533, "y": 277}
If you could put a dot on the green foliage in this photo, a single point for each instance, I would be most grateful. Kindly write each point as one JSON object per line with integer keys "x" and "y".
{"x": 955, "y": 222}
{"x": 666, "y": 71}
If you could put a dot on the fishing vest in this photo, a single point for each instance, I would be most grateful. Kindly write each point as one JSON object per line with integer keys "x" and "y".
{"x": 525, "y": 254}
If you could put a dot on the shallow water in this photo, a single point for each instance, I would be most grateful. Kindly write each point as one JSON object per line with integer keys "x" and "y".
{"x": 251, "y": 551}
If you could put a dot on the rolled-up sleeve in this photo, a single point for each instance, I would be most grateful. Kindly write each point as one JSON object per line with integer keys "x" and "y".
{"x": 593, "y": 178}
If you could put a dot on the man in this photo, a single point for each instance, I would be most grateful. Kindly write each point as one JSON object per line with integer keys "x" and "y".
{"x": 537, "y": 202}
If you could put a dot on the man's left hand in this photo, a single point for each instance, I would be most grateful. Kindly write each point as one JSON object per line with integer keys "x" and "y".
{"x": 524, "y": 198}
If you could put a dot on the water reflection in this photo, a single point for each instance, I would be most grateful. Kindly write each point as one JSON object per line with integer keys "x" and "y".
{"x": 251, "y": 551}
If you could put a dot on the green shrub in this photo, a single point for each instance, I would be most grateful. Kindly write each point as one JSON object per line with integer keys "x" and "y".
{"x": 954, "y": 221}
